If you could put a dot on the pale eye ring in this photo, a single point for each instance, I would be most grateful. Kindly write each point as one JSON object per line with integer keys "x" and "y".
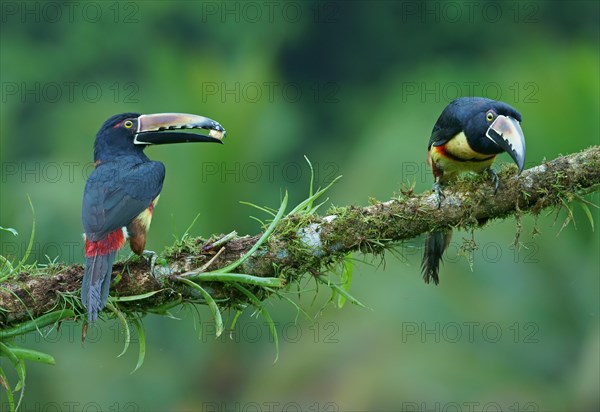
{"x": 489, "y": 116}
{"x": 128, "y": 124}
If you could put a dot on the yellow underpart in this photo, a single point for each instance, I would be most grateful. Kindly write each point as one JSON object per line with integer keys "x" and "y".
{"x": 458, "y": 147}
{"x": 145, "y": 218}
{"x": 448, "y": 165}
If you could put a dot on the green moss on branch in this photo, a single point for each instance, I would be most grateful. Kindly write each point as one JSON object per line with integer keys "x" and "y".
{"x": 306, "y": 243}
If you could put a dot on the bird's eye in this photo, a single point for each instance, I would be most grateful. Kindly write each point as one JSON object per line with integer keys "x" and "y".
{"x": 128, "y": 124}
{"x": 489, "y": 116}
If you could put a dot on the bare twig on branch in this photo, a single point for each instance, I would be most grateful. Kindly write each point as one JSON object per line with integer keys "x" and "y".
{"x": 306, "y": 243}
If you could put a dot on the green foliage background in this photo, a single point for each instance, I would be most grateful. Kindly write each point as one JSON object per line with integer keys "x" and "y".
{"x": 520, "y": 330}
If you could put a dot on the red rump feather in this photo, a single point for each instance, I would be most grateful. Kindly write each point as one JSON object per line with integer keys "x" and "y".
{"x": 111, "y": 243}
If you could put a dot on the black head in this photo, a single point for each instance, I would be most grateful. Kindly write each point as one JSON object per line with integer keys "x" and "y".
{"x": 490, "y": 126}
{"x": 115, "y": 137}
{"x": 129, "y": 133}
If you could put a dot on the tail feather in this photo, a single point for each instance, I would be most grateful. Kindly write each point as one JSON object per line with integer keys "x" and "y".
{"x": 96, "y": 283}
{"x": 435, "y": 245}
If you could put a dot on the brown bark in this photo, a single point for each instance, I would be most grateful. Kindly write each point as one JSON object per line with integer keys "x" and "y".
{"x": 309, "y": 244}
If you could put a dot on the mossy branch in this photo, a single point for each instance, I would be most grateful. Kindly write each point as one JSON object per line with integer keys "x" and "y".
{"x": 300, "y": 243}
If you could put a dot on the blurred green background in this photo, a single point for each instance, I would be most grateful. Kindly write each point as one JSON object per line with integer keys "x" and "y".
{"x": 356, "y": 87}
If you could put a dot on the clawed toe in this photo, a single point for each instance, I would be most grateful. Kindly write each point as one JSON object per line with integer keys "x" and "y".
{"x": 151, "y": 256}
{"x": 437, "y": 188}
{"x": 495, "y": 180}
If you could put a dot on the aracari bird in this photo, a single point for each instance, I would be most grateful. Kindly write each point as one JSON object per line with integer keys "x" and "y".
{"x": 121, "y": 192}
{"x": 467, "y": 137}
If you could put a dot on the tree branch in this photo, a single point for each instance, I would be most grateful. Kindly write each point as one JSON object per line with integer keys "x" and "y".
{"x": 304, "y": 243}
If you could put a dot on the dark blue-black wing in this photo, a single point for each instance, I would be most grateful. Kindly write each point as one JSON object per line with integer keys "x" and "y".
{"x": 447, "y": 126}
{"x": 116, "y": 192}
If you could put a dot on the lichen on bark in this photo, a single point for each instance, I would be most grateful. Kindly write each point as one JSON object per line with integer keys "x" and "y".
{"x": 307, "y": 243}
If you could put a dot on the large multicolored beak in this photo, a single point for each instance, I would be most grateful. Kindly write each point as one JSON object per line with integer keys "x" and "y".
{"x": 506, "y": 132}
{"x": 164, "y": 128}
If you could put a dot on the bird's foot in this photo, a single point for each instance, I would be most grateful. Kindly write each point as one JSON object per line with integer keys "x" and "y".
{"x": 495, "y": 180}
{"x": 437, "y": 188}
{"x": 151, "y": 256}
